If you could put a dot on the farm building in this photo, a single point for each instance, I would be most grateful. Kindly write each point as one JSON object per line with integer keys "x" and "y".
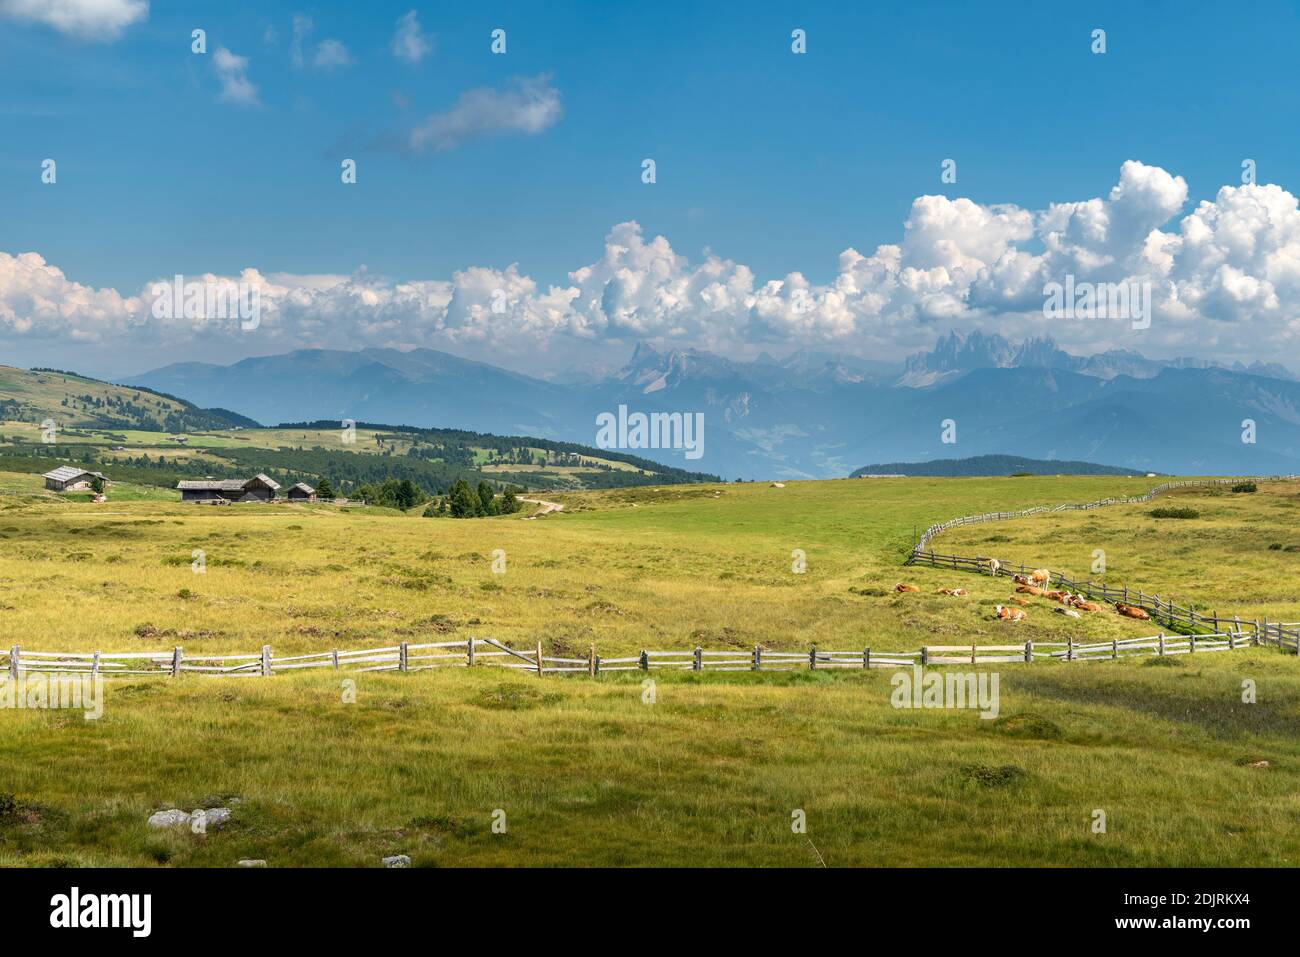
{"x": 301, "y": 492}
{"x": 260, "y": 488}
{"x": 69, "y": 478}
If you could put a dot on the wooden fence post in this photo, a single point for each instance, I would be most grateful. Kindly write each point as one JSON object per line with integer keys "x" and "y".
{"x": 1232, "y": 642}
{"x": 925, "y": 656}
{"x": 1162, "y": 644}
{"x": 758, "y": 658}
{"x": 1069, "y": 647}
{"x": 1114, "y": 648}
{"x": 176, "y": 661}
{"x": 266, "y": 660}
{"x": 698, "y": 663}
{"x": 469, "y": 652}
{"x": 1191, "y": 644}
{"x": 866, "y": 658}
{"x": 645, "y": 661}
{"x": 401, "y": 656}
{"x": 972, "y": 652}
{"x": 812, "y": 658}
{"x": 540, "y": 670}
{"x": 597, "y": 671}
{"x": 94, "y": 665}
{"x": 591, "y": 661}
{"x": 13, "y": 662}
{"x": 334, "y": 659}
{"x": 1029, "y": 652}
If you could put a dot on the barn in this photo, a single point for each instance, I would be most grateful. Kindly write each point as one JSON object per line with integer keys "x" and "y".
{"x": 301, "y": 492}
{"x": 69, "y": 478}
{"x": 260, "y": 488}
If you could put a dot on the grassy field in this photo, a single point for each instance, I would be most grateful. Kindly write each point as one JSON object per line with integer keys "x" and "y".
{"x": 586, "y": 771}
{"x": 1240, "y": 554}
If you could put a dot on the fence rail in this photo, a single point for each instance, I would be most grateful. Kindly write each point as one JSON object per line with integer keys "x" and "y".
{"x": 476, "y": 652}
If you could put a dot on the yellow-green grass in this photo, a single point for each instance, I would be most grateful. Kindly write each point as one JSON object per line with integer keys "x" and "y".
{"x": 1221, "y": 560}
{"x": 586, "y": 771}
{"x": 710, "y": 773}
{"x": 624, "y": 570}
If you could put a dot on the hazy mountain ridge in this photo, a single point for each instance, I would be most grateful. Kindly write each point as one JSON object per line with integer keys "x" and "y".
{"x": 808, "y": 414}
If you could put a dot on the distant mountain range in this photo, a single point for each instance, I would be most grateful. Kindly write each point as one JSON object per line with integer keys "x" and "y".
{"x": 809, "y": 415}
{"x": 984, "y": 465}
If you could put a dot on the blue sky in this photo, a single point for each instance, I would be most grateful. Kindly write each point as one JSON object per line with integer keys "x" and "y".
{"x": 773, "y": 160}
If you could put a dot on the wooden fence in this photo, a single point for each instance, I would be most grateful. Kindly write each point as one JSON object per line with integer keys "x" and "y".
{"x": 1184, "y": 617}
{"x": 475, "y": 652}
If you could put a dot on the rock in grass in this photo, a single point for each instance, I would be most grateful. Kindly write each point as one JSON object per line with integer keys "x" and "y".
{"x": 171, "y": 818}
{"x": 213, "y": 817}
{"x": 398, "y": 860}
{"x": 250, "y": 862}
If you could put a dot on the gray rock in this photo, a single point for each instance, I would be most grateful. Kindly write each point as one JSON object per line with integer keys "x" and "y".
{"x": 250, "y": 862}
{"x": 170, "y": 818}
{"x": 215, "y": 817}
{"x": 399, "y": 860}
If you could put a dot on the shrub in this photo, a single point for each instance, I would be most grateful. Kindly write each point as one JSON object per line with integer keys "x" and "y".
{"x": 1179, "y": 512}
{"x": 1245, "y": 487}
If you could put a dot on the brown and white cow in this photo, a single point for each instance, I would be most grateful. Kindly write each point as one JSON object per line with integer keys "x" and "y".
{"x": 1009, "y": 614}
{"x": 901, "y": 587}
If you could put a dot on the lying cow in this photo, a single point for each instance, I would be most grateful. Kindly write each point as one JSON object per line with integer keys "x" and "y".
{"x": 1078, "y": 602}
{"x": 1009, "y": 614}
{"x": 901, "y": 587}
{"x": 1132, "y": 611}
{"x": 1030, "y": 590}
{"x": 954, "y": 592}
{"x": 1068, "y": 612}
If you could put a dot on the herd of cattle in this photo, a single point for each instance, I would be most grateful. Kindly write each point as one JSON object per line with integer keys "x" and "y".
{"x": 1038, "y": 583}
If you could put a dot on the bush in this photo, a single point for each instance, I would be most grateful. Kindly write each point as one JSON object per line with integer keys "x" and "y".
{"x": 1245, "y": 487}
{"x": 1180, "y": 512}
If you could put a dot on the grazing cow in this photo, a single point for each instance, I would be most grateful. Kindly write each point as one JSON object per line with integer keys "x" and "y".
{"x": 1068, "y": 612}
{"x": 994, "y": 567}
{"x": 1030, "y": 590}
{"x": 1041, "y": 577}
{"x": 1009, "y": 614}
{"x": 1132, "y": 611}
{"x": 901, "y": 587}
{"x": 954, "y": 592}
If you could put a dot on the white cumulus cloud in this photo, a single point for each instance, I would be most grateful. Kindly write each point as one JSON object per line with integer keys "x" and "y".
{"x": 1225, "y": 279}
{"x": 232, "y": 71}
{"x": 85, "y": 19}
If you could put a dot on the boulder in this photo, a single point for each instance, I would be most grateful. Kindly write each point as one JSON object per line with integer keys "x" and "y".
{"x": 397, "y": 860}
{"x": 170, "y": 818}
{"x": 250, "y": 862}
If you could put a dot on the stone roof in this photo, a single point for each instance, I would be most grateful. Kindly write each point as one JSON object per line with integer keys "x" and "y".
{"x": 66, "y": 472}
